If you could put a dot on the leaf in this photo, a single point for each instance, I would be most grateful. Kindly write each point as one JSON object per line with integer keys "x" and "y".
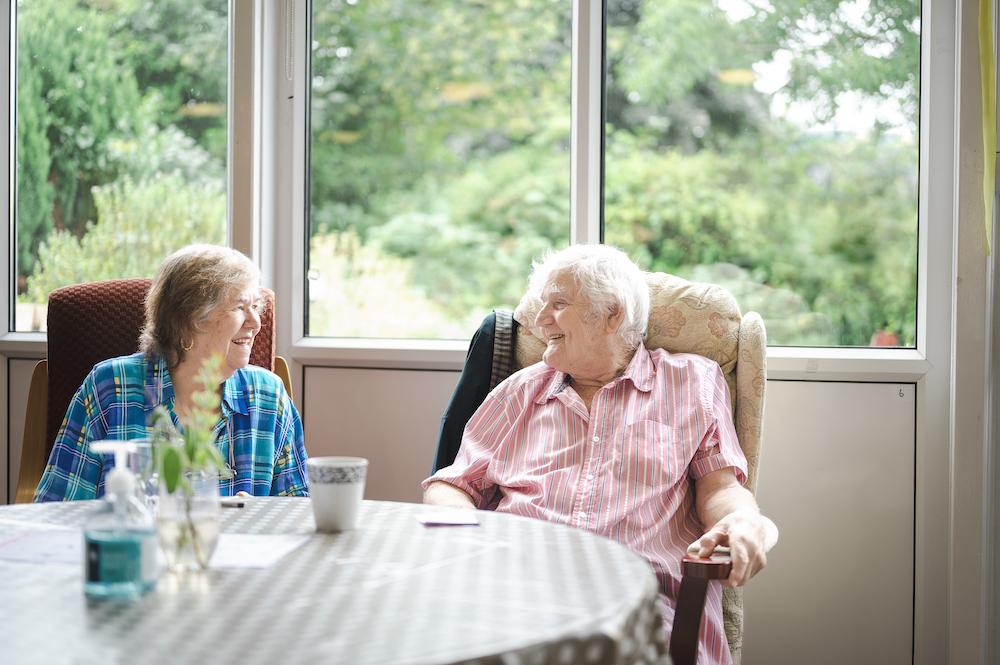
{"x": 170, "y": 472}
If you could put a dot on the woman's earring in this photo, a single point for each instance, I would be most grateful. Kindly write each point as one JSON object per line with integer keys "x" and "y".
{"x": 188, "y": 346}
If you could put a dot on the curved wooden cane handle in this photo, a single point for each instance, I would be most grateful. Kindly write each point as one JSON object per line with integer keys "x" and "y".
{"x": 715, "y": 567}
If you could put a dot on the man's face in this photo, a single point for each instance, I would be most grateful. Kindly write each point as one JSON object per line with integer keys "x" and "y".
{"x": 577, "y": 342}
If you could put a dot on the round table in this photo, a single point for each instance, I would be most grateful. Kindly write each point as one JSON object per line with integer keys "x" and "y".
{"x": 510, "y": 590}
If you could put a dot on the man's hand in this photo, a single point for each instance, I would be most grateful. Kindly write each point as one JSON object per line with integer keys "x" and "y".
{"x": 440, "y": 493}
{"x": 745, "y": 533}
{"x": 737, "y": 523}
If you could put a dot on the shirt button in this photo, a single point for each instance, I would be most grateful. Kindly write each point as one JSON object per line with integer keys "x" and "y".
{"x": 590, "y": 476}
{"x": 596, "y": 439}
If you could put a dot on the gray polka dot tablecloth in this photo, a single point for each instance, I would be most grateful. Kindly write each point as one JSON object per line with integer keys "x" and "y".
{"x": 510, "y": 590}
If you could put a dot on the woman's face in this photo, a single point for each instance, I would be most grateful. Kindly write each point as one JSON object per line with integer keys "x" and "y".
{"x": 230, "y": 331}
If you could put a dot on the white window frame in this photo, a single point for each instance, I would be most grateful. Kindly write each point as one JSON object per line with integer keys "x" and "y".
{"x": 929, "y": 366}
{"x": 244, "y": 229}
{"x": 289, "y": 127}
{"x": 267, "y": 209}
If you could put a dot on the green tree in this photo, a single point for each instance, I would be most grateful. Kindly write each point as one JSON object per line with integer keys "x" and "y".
{"x": 872, "y": 48}
{"x": 699, "y": 172}
{"x": 443, "y": 85}
{"x": 178, "y": 53}
{"x": 138, "y": 224}
{"x": 74, "y": 96}
{"x": 442, "y": 145}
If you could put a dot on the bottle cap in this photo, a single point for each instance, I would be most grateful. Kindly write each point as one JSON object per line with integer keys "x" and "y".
{"x": 119, "y": 481}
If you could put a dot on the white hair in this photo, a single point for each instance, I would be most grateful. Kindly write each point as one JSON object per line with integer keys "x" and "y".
{"x": 606, "y": 278}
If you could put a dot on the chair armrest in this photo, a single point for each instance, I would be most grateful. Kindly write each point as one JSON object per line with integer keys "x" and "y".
{"x": 34, "y": 448}
{"x": 716, "y": 567}
{"x": 281, "y": 369}
{"x": 696, "y": 572}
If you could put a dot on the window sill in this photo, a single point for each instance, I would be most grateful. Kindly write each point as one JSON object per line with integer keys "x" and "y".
{"x": 792, "y": 363}
{"x": 783, "y": 363}
{"x": 24, "y": 344}
{"x": 447, "y": 355}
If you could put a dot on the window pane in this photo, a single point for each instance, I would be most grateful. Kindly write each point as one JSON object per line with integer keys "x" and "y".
{"x": 121, "y": 139}
{"x": 772, "y": 147}
{"x": 439, "y": 160}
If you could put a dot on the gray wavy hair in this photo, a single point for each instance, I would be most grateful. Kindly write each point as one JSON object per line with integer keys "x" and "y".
{"x": 607, "y": 279}
{"x": 189, "y": 284}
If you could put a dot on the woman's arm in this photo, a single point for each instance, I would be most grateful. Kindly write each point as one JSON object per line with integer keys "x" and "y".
{"x": 290, "y": 459}
{"x": 74, "y": 471}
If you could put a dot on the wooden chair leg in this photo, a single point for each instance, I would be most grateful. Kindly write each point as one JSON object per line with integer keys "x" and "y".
{"x": 687, "y": 621}
{"x": 696, "y": 574}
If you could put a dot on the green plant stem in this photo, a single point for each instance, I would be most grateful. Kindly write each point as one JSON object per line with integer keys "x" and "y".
{"x": 195, "y": 546}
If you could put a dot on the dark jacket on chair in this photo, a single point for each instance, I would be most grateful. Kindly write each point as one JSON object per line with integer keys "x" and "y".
{"x": 489, "y": 361}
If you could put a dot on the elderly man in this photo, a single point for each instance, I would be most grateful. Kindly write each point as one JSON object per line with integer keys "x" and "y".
{"x": 605, "y": 435}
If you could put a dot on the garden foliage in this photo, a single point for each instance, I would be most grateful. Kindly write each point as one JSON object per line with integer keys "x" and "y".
{"x": 440, "y": 152}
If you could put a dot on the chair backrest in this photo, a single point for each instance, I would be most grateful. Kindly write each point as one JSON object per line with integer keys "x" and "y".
{"x": 91, "y": 322}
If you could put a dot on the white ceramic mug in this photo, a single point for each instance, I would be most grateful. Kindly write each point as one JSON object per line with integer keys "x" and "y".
{"x": 336, "y": 486}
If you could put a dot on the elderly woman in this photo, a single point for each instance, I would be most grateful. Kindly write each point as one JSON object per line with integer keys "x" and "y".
{"x": 204, "y": 301}
{"x": 634, "y": 444}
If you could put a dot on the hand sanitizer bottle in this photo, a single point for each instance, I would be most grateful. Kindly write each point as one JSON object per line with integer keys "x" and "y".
{"x": 120, "y": 538}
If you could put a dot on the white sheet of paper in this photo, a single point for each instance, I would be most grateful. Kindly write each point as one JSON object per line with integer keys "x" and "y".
{"x": 62, "y": 547}
{"x": 447, "y": 517}
{"x": 244, "y": 550}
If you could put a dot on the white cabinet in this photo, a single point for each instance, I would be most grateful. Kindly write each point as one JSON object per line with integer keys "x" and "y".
{"x": 838, "y": 477}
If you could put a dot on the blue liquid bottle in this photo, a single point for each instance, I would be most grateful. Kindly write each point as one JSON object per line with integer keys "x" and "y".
{"x": 119, "y": 553}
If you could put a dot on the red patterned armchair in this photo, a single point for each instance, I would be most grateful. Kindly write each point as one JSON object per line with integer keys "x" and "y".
{"x": 88, "y": 323}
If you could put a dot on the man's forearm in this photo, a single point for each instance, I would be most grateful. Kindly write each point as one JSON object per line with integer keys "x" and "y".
{"x": 731, "y": 515}
{"x": 440, "y": 493}
{"x": 724, "y": 501}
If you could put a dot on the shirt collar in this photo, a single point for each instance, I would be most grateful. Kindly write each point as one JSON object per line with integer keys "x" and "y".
{"x": 237, "y": 393}
{"x": 640, "y": 372}
{"x": 159, "y": 386}
{"x": 556, "y": 385}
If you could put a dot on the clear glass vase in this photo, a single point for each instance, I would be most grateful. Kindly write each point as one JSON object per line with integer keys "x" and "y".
{"x": 188, "y": 520}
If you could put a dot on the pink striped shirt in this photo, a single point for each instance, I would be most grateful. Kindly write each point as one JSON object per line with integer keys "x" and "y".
{"x": 623, "y": 471}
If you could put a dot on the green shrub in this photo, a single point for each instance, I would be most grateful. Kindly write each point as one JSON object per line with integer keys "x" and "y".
{"x": 138, "y": 224}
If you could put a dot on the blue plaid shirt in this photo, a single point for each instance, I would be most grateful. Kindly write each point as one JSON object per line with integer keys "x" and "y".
{"x": 259, "y": 434}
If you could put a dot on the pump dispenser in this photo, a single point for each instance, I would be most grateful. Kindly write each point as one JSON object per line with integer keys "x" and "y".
{"x": 120, "y": 538}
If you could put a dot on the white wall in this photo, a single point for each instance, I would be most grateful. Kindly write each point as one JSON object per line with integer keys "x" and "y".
{"x": 389, "y": 416}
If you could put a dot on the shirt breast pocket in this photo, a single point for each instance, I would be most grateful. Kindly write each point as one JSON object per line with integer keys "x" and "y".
{"x": 649, "y": 454}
